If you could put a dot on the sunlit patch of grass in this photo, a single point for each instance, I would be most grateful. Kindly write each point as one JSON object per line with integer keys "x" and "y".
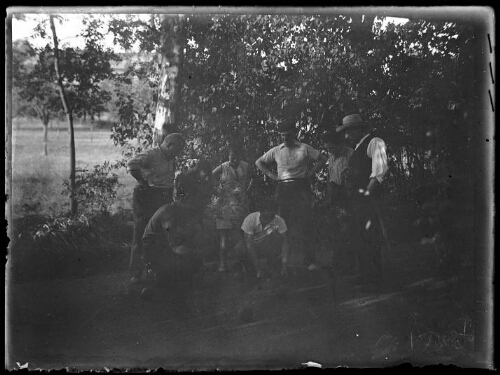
{"x": 37, "y": 180}
{"x": 37, "y": 191}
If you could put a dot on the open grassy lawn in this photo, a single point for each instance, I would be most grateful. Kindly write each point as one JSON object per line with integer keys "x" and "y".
{"x": 38, "y": 179}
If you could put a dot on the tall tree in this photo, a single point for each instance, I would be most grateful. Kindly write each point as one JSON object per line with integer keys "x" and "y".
{"x": 60, "y": 78}
{"x": 172, "y": 51}
{"x": 34, "y": 90}
{"x": 69, "y": 115}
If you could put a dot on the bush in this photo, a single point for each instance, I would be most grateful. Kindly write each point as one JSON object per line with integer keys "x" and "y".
{"x": 95, "y": 188}
{"x": 58, "y": 247}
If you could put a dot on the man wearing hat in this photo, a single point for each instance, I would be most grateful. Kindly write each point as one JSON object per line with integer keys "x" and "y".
{"x": 293, "y": 192}
{"x": 367, "y": 168}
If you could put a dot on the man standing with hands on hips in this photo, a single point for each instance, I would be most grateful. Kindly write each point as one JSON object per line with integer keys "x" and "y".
{"x": 154, "y": 170}
{"x": 293, "y": 191}
{"x": 366, "y": 171}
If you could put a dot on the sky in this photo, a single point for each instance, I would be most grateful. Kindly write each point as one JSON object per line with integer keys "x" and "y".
{"x": 67, "y": 32}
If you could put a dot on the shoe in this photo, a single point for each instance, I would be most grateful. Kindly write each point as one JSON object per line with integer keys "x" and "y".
{"x": 312, "y": 267}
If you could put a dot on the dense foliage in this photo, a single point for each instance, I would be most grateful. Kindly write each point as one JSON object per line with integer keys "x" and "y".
{"x": 243, "y": 74}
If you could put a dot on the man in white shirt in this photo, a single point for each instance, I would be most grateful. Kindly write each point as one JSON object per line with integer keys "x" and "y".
{"x": 365, "y": 174}
{"x": 293, "y": 192}
{"x": 264, "y": 236}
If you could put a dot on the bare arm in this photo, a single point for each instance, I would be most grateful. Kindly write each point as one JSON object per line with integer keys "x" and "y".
{"x": 320, "y": 163}
{"x": 136, "y": 173}
{"x": 135, "y": 166}
{"x": 216, "y": 173}
{"x": 250, "y": 184}
{"x": 251, "y": 176}
{"x": 263, "y": 168}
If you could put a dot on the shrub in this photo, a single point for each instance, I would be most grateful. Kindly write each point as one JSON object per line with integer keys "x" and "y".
{"x": 59, "y": 247}
{"x": 96, "y": 188}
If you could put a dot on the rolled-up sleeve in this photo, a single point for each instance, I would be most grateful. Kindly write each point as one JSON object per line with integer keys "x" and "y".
{"x": 377, "y": 152}
{"x": 247, "y": 225}
{"x": 282, "y": 228}
{"x": 269, "y": 156}
{"x": 312, "y": 152}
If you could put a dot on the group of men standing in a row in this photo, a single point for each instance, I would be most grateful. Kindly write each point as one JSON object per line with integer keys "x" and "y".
{"x": 168, "y": 211}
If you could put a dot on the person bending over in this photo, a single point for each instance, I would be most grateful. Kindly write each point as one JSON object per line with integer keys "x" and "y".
{"x": 173, "y": 236}
{"x": 264, "y": 237}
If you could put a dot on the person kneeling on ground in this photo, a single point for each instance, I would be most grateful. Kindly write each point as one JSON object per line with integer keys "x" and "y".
{"x": 264, "y": 236}
{"x": 174, "y": 233}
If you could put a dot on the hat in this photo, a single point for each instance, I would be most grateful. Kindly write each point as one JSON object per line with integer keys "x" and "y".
{"x": 351, "y": 122}
{"x": 286, "y": 126}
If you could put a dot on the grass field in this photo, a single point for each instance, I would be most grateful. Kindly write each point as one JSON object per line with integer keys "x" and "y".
{"x": 37, "y": 180}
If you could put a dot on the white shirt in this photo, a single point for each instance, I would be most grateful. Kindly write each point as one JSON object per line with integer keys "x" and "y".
{"x": 252, "y": 225}
{"x": 292, "y": 160}
{"x": 376, "y": 151}
{"x": 337, "y": 166}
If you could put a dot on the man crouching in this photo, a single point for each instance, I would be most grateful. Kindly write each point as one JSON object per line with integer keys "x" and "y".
{"x": 265, "y": 237}
{"x": 174, "y": 233}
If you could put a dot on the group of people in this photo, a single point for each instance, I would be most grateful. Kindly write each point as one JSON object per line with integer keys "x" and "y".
{"x": 168, "y": 210}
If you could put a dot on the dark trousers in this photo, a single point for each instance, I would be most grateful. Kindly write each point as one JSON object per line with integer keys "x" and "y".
{"x": 294, "y": 206}
{"x": 366, "y": 237}
{"x": 338, "y": 195}
{"x": 343, "y": 254}
{"x": 145, "y": 202}
{"x": 269, "y": 248}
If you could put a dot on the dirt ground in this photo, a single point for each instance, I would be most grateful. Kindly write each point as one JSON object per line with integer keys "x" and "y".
{"x": 101, "y": 322}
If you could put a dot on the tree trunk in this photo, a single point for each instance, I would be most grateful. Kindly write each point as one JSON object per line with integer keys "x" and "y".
{"x": 45, "y": 122}
{"x": 173, "y": 42}
{"x": 69, "y": 116}
{"x": 45, "y": 138}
